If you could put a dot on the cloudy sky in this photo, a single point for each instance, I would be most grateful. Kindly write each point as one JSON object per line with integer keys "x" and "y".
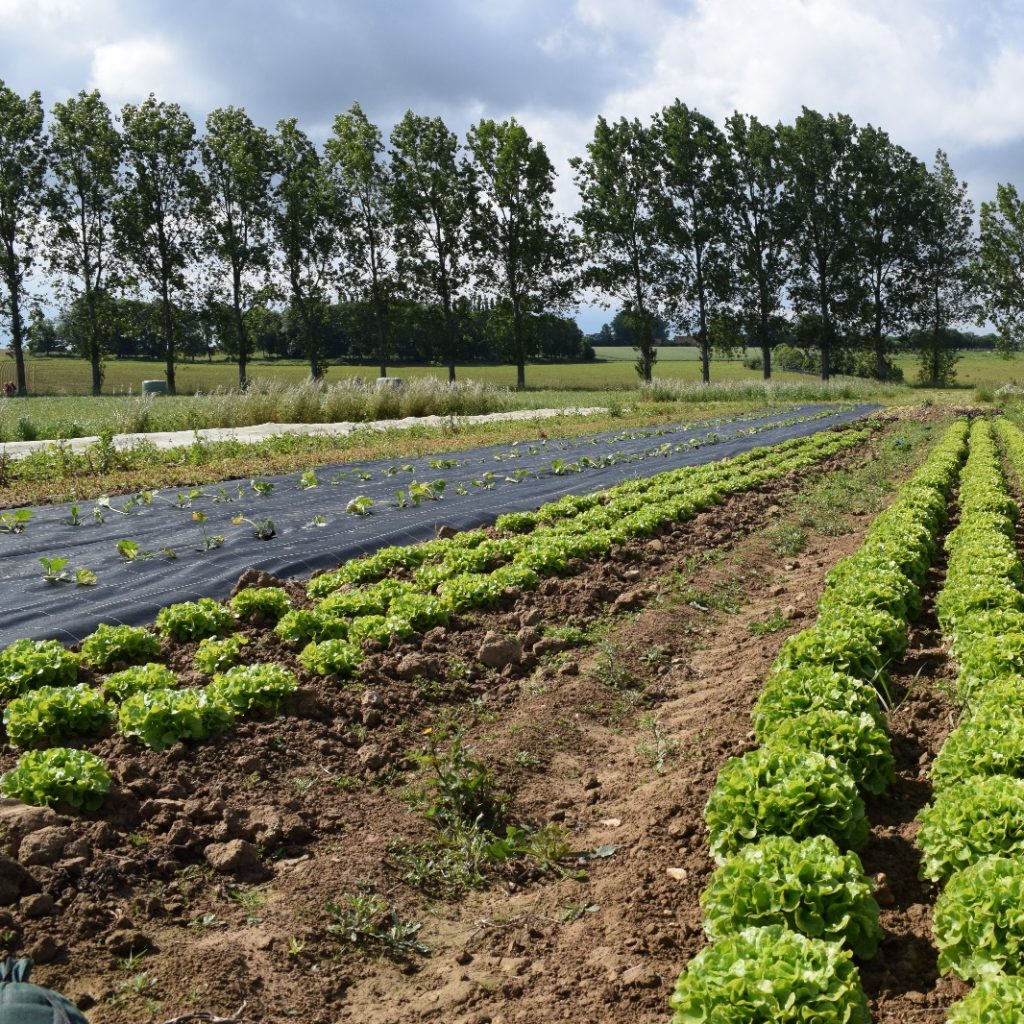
{"x": 933, "y": 73}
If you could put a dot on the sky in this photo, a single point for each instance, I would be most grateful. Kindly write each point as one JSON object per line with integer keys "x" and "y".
{"x": 934, "y": 74}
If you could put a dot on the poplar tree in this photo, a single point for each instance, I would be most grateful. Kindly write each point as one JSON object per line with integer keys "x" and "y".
{"x": 22, "y": 194}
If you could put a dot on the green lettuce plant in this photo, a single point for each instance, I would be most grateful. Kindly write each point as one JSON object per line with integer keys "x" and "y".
{"x": 129, "y": 645}
{"x": 856, "y": 741}
{"x": 195, "y": 620}
{"x": 160, "y": 718}
{"x": 331, "y": 657}
{"x": 996, "y": 999}
{"x": 779, "y": 790}
{"x": 26, "y": 664}
{"x": 59, "y": 775}
{"x": 245, "y": 688}
{"x": 51, "y": 714}
{"x": 991, "y": 742}
{"x": 979, "y": 919}
{"x": 786, "y": 978}
{"x": 297, "y": 628}
{"x": 213, "y": 655}
{"x": 807, "y": 885}
{"x": 270, "y": 602}
{"x": 978, "y": 817}
{"x": 794, "y": 691}
{"x": 838, "y": 647}
{"x": 119, "y": 686}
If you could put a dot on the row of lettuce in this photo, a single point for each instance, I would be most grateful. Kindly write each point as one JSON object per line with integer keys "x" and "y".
{"x": 790, "y": 906}
{"x": 47, "y": 703}
{"x": 972, "y": 833}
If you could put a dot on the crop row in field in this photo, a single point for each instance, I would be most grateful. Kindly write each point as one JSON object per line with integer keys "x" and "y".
{"x": 48, "y": 703}
{"x": 790, "y": 901}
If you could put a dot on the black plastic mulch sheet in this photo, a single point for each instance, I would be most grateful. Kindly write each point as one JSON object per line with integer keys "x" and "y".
{"x": 133, "y": 592}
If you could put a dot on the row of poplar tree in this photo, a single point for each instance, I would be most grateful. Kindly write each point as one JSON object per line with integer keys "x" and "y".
{"x": 727, "y": 232}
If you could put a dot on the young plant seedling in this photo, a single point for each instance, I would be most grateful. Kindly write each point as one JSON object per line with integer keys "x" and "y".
{"x": 16, "y": 521}
{"x": 262, "y": 529}
{"x": 309, "y": 480}
{"x": 315, "y": 522}
{"x": 210, "y": 540}
{"x": 360, "y": 506}
{"x": 261, "y": 486}
{"x": 55, "y": 571}
{"x": 74, "y": 515}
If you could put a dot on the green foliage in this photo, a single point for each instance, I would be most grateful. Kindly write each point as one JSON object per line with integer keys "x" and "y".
{"x": 216, "y": 655}
{"x": 51, "y": 714}
{"x": 783, "y": 978}
{"x": 367, "y": 922}
{"x": 195, "y": 620}
{"x": 248, "y": 687}
{"x": 838, "y": 648}
{"x": 777, "y": 790}
{"x": 331, "y": 657}
{"x": 979, "y": 919}
{"x": 57, "y": 776}
{"x": 794, "y": 691}
{"x": 160, "y": 718}
{"x": 976, "y": 818}
{"x": 269, "y": 602}
{"x": 806, "y": 885}
{"x": 26, "y": 664}
{"x": 129, "y": 645}
{"x": 996, "y": 999}
{"x": 856, "y": 741}
{"x": 300, "y": 626}
{"x": 137, "y": 679}
{"x": 991, "y": 742}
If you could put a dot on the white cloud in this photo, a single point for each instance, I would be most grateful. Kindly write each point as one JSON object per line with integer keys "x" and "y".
{"x": 128, "y": 70}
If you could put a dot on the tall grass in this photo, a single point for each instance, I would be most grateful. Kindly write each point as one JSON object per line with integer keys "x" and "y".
{"x": 768, "y": 392}
{"x": 350, "y": 400}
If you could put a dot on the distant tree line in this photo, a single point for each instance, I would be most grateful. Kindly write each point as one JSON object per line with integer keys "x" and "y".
{"x": 161, "y": 240}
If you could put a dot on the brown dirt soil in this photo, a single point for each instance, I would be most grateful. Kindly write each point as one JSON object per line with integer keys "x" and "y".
{"x": 618, "y": 744}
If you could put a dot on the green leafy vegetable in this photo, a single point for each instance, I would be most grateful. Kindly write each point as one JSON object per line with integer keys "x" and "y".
{"x": 55, "y": 776}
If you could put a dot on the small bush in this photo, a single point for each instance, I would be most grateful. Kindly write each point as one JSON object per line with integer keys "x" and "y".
{"x": 248, "y": 687}
{"x": 129, "y": 645}
{"x": 57, "y": 776}
{"x": 331, "y": 657}
{"x": 778, "y": 790}
{"x": 997, "y": 999}
{"x": 160, "y": 718}
{"x": 977, "y": 818}
{"x": 856, "y": 741}
{"x": 195, "y": 620}
{"x": 270, "y": 602}
{"x": 786, "y": 978}
{"x": 216, "y": 655}
{"x": 807, "y": 885}
{"x": 138, "y": 679}
{"x": 26, "y": 664}
{"x": 51, "y": 714}
{"x": 979, "y": 919}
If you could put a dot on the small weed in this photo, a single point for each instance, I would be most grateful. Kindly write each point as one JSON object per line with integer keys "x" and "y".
{"x": 345, "y": 782}
{"x": 772, "y": 624}
{"x": 573, "y": 911}
{"x": 569, "y": 635}
{"x": 787, "y": 539}
{"x": 204, "y": 922}
{"x": 295, "y": 945}
{"x": 368, "y": 923}
{"x": 526, "y": 759}
{"x": 659, "y": 749}
{"x": 131, "y": 961}
{"x": 137, "y": 839}
{"x": 612, "y": 670}
{"x": 247, "y": 897}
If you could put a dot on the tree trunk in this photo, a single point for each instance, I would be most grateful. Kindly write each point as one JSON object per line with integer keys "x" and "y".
{"x": 452, "y": 337}
{"x": 878, "y": 339}
{"x": 94, "y": 341}
{"x": 517, "y": 333}
{"x": 240, "y": 333}
{"x": 702, "y": 333}
{"x": 168, "y": 326}
{"x": 705, "y": 357}
{"x": 766, "y": 360}
{"x": 17, "y": 340}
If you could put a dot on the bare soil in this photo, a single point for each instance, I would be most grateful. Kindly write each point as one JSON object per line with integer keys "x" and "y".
{"x": 617, "y": 742}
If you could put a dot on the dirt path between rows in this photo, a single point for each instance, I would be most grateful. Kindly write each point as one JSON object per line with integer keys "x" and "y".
{"x": 618, "y": 744}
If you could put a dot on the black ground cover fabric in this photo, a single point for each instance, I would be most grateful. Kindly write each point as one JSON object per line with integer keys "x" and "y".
{"x": 133, "y": 592}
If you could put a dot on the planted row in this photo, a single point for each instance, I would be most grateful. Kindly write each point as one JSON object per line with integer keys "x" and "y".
{"x": 784, "y": 821}
{"x": 972, "y": 834}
